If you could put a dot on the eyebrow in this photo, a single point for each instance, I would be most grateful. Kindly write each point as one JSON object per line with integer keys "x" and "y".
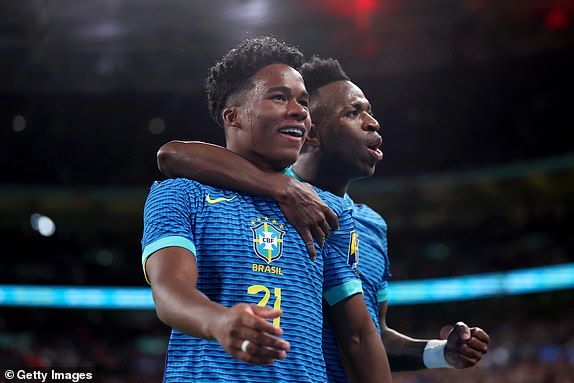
{"x": 286, "y": 89}
{"x": 361, "y": 105}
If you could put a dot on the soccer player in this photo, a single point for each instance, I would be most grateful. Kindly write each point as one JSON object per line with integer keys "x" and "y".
{"x": 228, "y": 272}
{"x": 342, "y": 146}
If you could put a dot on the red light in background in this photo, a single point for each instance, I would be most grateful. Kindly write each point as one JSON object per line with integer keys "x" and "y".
{"x": 365, "y": 6}
{"x": 556, "y": 19}
{"x": 362, "y": 14}
{"x": 359, "y": 11}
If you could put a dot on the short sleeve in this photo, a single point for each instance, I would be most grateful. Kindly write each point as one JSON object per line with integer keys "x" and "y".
{"x": 168, "y": 217}
{"x": 340, "y": 251}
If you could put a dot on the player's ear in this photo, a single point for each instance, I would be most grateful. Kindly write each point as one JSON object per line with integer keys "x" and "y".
{"x": 231, "y": 117}
{"x": 313, "y": 137}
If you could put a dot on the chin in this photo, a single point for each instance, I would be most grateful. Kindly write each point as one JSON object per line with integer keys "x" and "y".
{"x": 285, "y": 163}
{"x": 369, "y": 171}
{"x": 290, "y": 159}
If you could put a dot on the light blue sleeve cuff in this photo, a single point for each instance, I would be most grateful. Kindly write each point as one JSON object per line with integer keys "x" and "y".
{"x": 164, "y": 242}
{"x": 383, "y": 294}
{"x": 336, "y": 294}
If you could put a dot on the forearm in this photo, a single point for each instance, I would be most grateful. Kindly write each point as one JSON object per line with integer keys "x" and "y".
{"x": 180, "y": 305}
{"x": 404, "y": 353}
{"x": 459, "y": 346}
{"x": 217, "y": 166}
{"x": 362, "y": 352}
{"x": 183, "y": 307}
{"x": 365, "y": 358}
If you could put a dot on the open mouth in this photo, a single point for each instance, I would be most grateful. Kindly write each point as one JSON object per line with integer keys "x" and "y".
{"x": 293, "y": 131}
{"x": 376, "y": 151}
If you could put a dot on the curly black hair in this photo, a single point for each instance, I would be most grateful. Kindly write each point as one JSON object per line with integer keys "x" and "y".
{"x": 319, "y": 72}
{"x": 233, "y": 72}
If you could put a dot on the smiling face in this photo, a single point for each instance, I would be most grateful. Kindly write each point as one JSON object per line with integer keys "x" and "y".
{"x": 268, "y": 123}
{"x": 347, "y": 130}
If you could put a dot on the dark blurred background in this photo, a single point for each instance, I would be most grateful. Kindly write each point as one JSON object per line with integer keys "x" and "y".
{"x": 475, "y": 99}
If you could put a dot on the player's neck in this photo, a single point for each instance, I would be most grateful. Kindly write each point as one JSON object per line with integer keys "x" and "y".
{"x": 324, "y": 177}
{"x": 262, "y": 163}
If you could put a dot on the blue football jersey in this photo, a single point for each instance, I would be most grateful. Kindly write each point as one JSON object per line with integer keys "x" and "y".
{"x": 246, "y": 251}
{"x": 373, "y": 268}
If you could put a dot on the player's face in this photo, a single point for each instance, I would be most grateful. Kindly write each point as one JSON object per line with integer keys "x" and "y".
{"x": 349, "y": 133}
{"x": 274, "y": 117}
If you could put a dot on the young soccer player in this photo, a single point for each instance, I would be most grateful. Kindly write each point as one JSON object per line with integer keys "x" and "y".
{"x": 342, "y": 146}
{"x": 216, "y": 258}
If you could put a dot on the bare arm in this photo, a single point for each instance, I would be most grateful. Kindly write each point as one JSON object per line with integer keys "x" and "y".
{"x": 172, "y": 272}
{"x": 362, "y": 352}
{"x": 405, "y": 353}
{"x": 464, "y": 346}
{"x": 214, "y": 165}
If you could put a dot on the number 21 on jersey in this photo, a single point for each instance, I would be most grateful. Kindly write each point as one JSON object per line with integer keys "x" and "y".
{"x": 256, "y": 289}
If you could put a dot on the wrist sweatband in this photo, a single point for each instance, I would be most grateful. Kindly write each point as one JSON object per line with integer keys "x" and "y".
{"x": 433, "y": 355}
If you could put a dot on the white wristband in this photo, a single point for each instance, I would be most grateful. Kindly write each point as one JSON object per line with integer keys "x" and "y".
{"x": 433, "y": 355}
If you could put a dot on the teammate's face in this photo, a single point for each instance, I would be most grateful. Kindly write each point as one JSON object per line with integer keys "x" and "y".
{"x": 348, "y": 132}
{"x": 273, "y": 118}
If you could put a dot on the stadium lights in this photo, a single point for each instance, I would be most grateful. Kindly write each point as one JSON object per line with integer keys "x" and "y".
{"x": 42, "y": 224}
{"x": 479, "y": 286}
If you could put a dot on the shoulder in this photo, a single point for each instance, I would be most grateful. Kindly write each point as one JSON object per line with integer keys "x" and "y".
{"x": 174, "y": 184}
{"x": 368, "y": 213}
{"x": 180, "y": 189}
{"x": 339, "y": 204}
{"x": 186, "y": 185}
{"x": 368, "y": 219}
{"x": 365, "y": 213}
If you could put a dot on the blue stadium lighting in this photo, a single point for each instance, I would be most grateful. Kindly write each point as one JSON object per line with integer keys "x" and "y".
{"x": 514, "y": 282}
{"x": 123, "y": 298}
{"x": 477, "y": 286}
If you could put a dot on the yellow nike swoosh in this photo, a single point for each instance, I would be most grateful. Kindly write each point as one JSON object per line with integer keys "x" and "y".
{"x": 216, "y": 200}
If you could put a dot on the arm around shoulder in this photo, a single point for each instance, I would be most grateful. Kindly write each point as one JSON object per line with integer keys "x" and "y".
{"x": 217, "y": 166}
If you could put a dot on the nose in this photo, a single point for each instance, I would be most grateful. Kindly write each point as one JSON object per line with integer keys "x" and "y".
{"x": 371, "y": 124}
{"x": 297, "y": 111}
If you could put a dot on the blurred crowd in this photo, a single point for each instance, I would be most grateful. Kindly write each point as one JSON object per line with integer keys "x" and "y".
{"x": 540, "y": 238}
{"x": 116, "y": 346}
{"x": 532, "y": 336}
{"x": 532, "y": 340}
{"x": 82, "y": 253}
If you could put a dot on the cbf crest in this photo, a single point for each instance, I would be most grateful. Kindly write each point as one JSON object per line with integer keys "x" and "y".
{"x": 267, "y": 239}
{"x": 353, "y": 254}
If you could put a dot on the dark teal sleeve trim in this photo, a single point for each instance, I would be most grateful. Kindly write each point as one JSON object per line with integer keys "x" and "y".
{"x": 336, "y": 294}
{"x": 164, "y": 242}
{"x": 383, "y": 294}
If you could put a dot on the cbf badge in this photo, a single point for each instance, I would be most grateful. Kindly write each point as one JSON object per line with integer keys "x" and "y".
{"x": 267, "y": 240}
{"x": 353, "y": 255}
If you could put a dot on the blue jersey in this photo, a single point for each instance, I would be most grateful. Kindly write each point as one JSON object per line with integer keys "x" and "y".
{"x": 373, "y": 268}
{"x": 374, "y": 271}
{"x": 246, "y": 251}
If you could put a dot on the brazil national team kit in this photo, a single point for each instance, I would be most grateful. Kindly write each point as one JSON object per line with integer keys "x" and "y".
{"x": 247, "y": 252}
{"x": 373, "y": 268}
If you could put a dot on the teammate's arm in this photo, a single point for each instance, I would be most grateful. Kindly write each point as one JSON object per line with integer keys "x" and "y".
{"x": 216, "y": 166}
{"x": 172, "y": 273}
{"x": 462, "y": 347}
{"x": 362, "y": 352}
